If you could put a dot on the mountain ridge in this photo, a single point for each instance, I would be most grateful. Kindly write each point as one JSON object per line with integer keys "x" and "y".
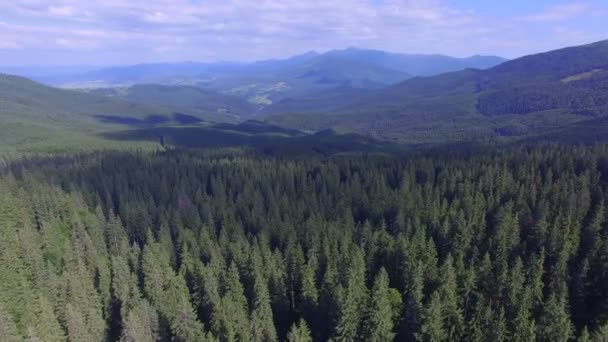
{"x": 197, "y": 73}
{"x": 524, "y": 96}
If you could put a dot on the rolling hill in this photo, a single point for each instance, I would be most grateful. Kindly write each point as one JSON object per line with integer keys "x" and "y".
{"x": 191, "y": 100}
{"x": 35, "y": 117}
{"x": 520, "y": 98}
{"x": 23, "y": 100}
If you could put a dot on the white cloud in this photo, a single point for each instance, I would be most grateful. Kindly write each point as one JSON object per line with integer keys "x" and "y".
{"x": 263, "y": 21}
{"x": 561, "y": 12}
{"x": 61, "y": 10}
{"x": 9, "y": 44}
{"x": 128, "y": 31}
{"x": 71, "y": 43}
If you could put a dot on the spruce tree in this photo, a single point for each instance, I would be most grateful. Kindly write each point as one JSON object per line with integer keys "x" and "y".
{"x": 554, "y": 323}
{"x": 584, "y": 335}
{"x": 140, "y": 323}
{"x": 262, "y": 322}
{"x": 351, "y": 298}
{"x": 432, "y": 327}
{"x": 600, "y": 334}
{"x": 452, "y": 313}
{"x": 380, "y": 317}
{"x": 235, "y": 305}
{"x": 310, "y": 294}
{"x": 299, "y": 332}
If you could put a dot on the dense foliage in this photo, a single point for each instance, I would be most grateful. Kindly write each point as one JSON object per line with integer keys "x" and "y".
{"x": 195, "y": 246}
{"x": 586, "y": 97}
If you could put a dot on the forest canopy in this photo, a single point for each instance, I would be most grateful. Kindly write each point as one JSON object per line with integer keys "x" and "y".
{"x": 232, "y": 246}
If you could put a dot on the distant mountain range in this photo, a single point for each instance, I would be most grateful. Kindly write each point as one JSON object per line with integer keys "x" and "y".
{"x": 553, "y": 95}
{"x": 265, "y": 82}
{"x": 527, "y": 96}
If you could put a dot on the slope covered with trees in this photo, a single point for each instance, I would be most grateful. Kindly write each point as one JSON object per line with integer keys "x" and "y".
{"x": 233, "y": 246}
{"x": 524, "y": 97}
{"x": 39, "y": 118}
{"x": 199, "y": 102}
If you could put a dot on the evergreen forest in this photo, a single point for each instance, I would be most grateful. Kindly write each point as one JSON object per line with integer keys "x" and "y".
{"x": 508, "y": 244}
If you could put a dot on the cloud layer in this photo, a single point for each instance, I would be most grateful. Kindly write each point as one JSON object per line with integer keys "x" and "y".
{"x": 120, "y": 32}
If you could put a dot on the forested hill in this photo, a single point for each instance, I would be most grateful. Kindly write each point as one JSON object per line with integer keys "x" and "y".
{"x": 525, "y": 97}
{"x": 197, "y": 246}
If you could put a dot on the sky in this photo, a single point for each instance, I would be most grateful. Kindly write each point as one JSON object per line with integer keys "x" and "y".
{"x": 118, "y": 32}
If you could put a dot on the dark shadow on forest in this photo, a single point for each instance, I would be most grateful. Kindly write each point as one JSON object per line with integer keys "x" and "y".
{"x": 150, "y": 120}
{"x": 583, "y": 132}
{"x": 258, "y": 127}
{"x": 273, "y": 144}
{"x": 185, "y": 119}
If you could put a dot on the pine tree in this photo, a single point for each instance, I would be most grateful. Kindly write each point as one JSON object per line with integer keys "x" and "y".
{"x": 584, "y": 335}
{"x": 554, "y": 323}
{"x": 452, "y": 314}
{"x": 169, "y": 293}
{"x": 185, "y": 326}
{"x": 497, "y": 327}
{"x": 212, "y": 303}
{"x": 295, "y": 264}
{"x": 116, "y": 236}
{"x": 519, "y": 298}
{"x": 600, "y": 334}
{"x": 481, "y": 316}
{"x": 262, "y": 322}
{"x": 83, "y": 306}
{"x": 524, "y": 327}
{"x": 432, "y": 327}
{"x": 351, "y": 298}
{"x": 380, "y": 314}
{"x": 41, "y": 320}
{"x": 299, "y": 332}
{"x": 235, "y": 304}
{"x": 140, "y": 323}
{"x": 413, "y": 307}
{"x": 76, "y": 325}
{"x": 310, "y": 294}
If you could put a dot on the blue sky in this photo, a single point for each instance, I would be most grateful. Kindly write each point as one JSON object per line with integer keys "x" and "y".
{"x": 111, "y": 32}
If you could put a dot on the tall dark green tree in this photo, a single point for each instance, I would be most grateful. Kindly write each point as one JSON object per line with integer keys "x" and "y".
{"x": 379, "y": 321}
{"x": 299, "y": 332}
{"x": 262, "y": 321}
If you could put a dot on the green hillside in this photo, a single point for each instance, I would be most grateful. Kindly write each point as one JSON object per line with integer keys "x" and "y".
{"x": 37, "y": 118}
{"x": 25, "y": 100}
{"x": 518, "y": 99}
{"x": 189, "y": 100}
